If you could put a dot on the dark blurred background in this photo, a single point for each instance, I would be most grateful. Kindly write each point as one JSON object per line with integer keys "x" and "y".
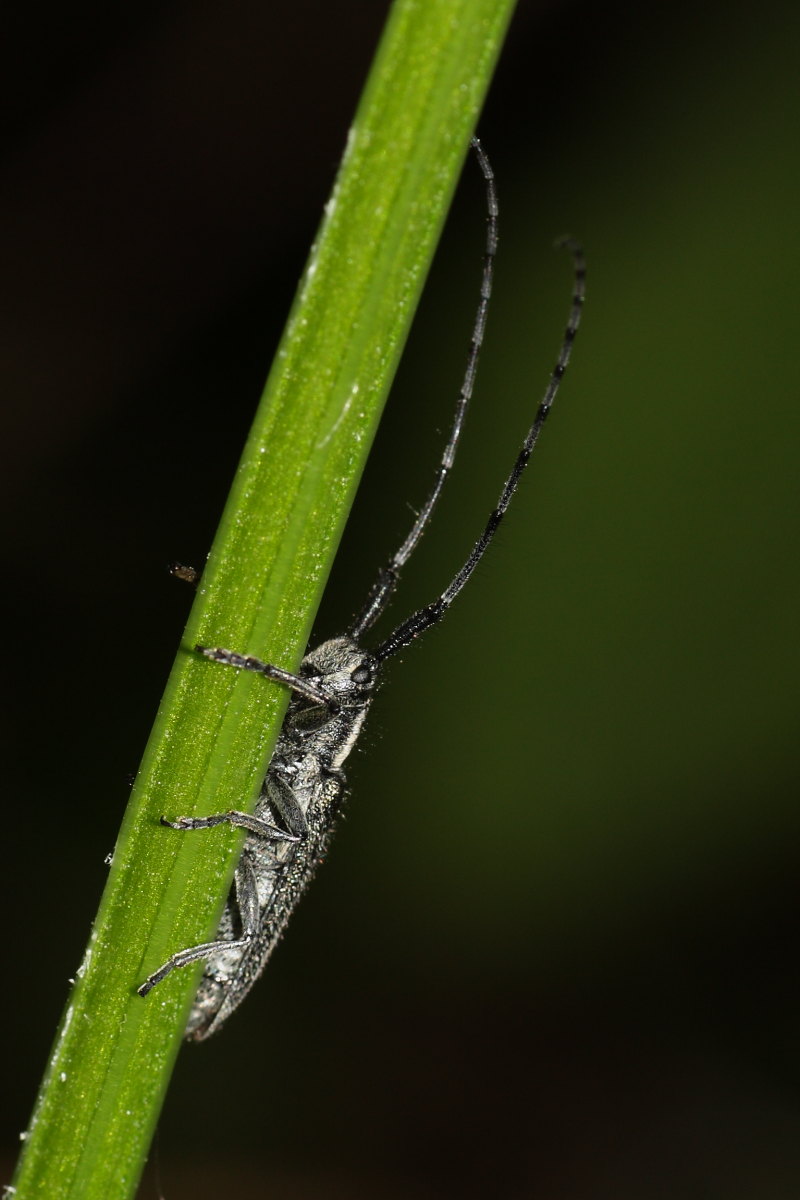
{"x": 554, "y": 952}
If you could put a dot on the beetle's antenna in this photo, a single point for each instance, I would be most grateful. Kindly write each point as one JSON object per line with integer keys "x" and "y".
{"x": 382, "y": 590}
{"x": 421, "y": 620}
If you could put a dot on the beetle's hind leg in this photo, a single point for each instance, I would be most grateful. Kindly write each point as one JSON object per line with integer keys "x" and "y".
{"x": 246, "y": 894}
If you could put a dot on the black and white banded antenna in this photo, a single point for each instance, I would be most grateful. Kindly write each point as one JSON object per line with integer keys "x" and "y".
{"x": 388, "y": 576}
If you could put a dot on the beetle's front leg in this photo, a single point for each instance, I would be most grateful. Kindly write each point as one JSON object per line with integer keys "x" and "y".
{"x": 246, "y": 662}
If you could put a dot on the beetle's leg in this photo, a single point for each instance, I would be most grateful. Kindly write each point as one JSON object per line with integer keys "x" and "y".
{"x": 277, "y": 792}
{"x": 283, "y": 800}
{"x": 240, "y": 820}
{"x": 246, "y": 662}
{"x": 246, "y": 901}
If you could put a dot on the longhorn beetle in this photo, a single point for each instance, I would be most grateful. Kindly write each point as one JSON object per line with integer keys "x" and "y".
{"x": 290, "y": 830}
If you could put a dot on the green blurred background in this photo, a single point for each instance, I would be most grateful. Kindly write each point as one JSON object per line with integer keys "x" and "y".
{"x": 554, "y": 952}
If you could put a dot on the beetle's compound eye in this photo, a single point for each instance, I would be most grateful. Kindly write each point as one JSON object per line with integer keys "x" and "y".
{"x": 363, "y": 675}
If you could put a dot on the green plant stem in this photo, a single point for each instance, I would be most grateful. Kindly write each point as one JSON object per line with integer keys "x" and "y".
{"x": 216, "y": 728}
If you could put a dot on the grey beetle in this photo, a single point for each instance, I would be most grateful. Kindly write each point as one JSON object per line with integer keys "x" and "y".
{"x": 289, "y": 832}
